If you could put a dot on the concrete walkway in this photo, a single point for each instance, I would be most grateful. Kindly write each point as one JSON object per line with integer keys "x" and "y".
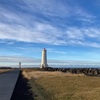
{"x": 7, "y": 84}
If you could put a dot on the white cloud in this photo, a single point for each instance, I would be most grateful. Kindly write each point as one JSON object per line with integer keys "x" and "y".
{"x": 15, "y": 59}
{"x": 24, "y": 27}
{"x": 41, "y": 33}
{"x": 46, "y": 33}
{"x": 10, "y": 16}
{"x": 7, "y": 42}
{"x": 84, "y": 15}
{"x": 60, "y": 9}
{"x": 51, "y": 50}
{"x": 74, "y": 33}
{"x": 51, "y": 8}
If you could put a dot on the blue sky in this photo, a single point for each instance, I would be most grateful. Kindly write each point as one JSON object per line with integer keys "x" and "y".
{"x": 68, "y": 29}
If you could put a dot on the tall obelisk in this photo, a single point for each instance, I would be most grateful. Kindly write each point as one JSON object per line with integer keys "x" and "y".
{"x": 44, "y": 59}
{"x": 19, "y": 65}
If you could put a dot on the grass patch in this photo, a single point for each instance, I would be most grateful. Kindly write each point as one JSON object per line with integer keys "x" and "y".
{"x": 63, "y": 86}
{"x": 4, "y": 70}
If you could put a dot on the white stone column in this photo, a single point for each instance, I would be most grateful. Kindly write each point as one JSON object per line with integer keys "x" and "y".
{"x": 44, "y": 59}
{"x": 20, "y": 65}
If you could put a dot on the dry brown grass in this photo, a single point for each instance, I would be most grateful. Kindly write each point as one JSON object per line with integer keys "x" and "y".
{"x": 4, "y": 70}
{"x": 40, "y": 74}
{"x": 63, "y": 86}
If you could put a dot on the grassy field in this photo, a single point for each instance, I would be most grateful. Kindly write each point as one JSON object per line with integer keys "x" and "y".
{"x": 4, "y": 70}
{"x": 63, "y": 86}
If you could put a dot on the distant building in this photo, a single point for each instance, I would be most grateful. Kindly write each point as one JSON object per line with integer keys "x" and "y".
{"x": 19, "y": 64}
{"x": 44, "y": 59}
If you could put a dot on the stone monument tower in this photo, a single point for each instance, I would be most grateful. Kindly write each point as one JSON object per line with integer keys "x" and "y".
{"x": 44, "y": 59}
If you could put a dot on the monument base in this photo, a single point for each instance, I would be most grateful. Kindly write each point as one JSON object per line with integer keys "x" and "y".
{"x": 44, "y": 66}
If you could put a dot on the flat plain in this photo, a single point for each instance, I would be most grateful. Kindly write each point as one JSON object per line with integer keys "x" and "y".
{"x": 62, "y": 86}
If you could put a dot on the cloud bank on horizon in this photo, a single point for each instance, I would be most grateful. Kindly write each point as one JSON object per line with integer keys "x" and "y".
{"x": 25, "y": 61}
{"x": 51, "y": 22}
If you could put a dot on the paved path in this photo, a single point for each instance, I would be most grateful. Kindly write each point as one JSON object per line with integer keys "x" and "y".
{"x": 7, "y": 84}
